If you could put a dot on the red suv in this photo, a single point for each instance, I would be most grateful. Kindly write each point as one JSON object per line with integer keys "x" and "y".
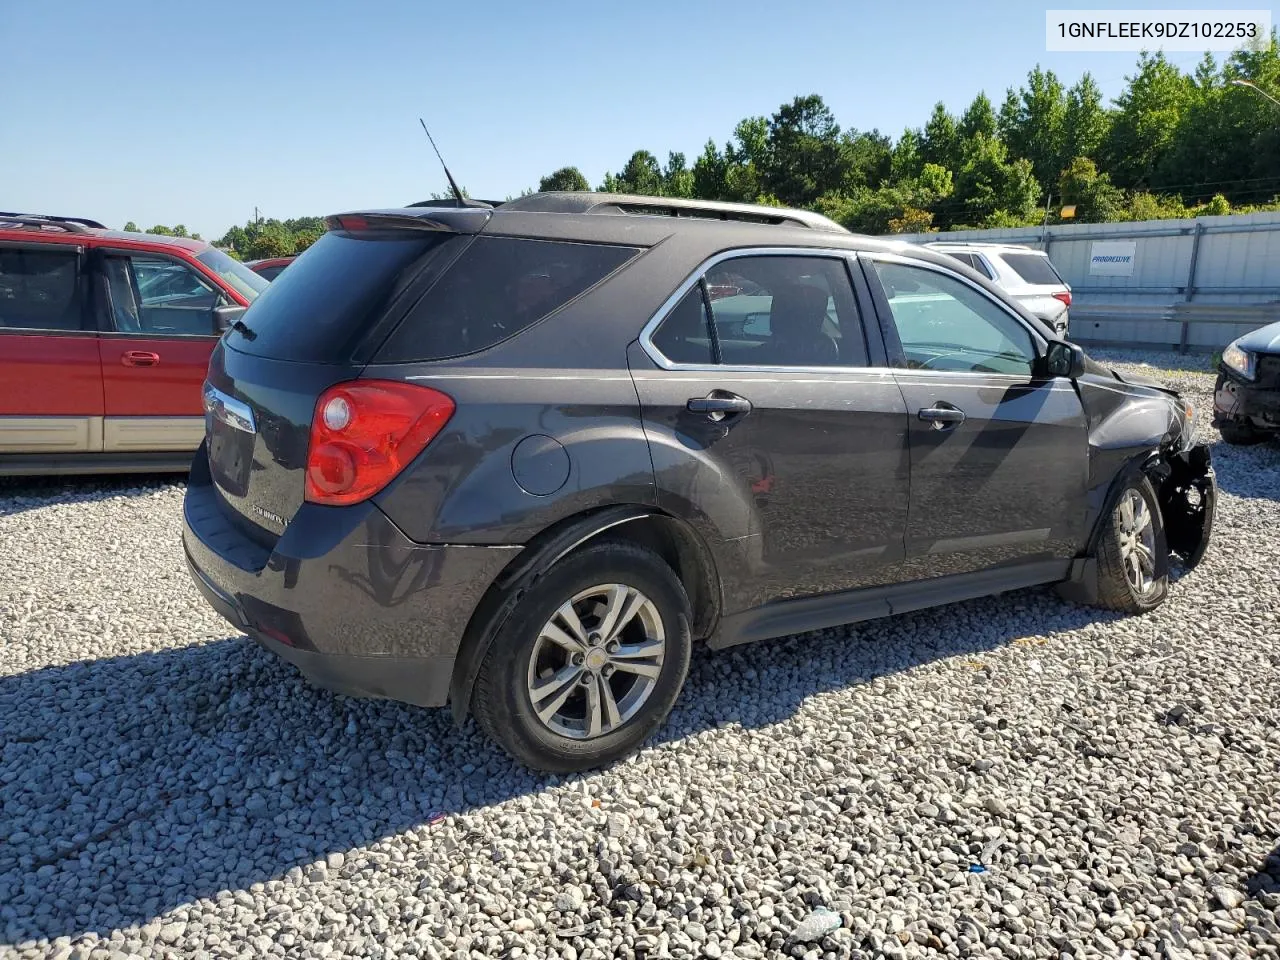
{"x": 105, "y": 338}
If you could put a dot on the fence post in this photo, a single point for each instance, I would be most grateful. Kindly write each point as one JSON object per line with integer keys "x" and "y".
{"x": 1191, "y": 285}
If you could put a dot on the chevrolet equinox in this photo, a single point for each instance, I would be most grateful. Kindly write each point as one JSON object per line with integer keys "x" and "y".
{"x": 520, "y": 458}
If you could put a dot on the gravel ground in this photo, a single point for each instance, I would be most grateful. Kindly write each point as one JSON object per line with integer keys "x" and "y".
{"x": 1014, "y": 777}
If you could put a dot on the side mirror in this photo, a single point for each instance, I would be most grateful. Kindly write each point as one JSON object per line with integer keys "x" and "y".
{"x": 225, "y": 315}
{"x": 1061, "y": 359}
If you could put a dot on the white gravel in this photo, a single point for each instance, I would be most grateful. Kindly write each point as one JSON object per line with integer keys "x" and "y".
{"x": 166, "y": 789}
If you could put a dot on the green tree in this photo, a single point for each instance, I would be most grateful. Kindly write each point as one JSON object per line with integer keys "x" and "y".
{"x": 992, "y": 190}
{"x": 866, "y": 159}
{"x": 710, "y": 174}
{"x": 1085, "y": 121}
{"x": 131, "y": 227}
{"x": 1036, "y": 130}
{"x": 677, "y": 178}
{"x": 803, "y": 159}
{"x": 1095, "y": 198}
{"x": 161, "y": 230}
{"x": 1145, "y": 124}
{"x": 978, "y": 118}
{"x": 941, "y": 143}
{"x": 905, "y": 160}
{"x": 641, "y": 175}
{"x": 566, "y": 178}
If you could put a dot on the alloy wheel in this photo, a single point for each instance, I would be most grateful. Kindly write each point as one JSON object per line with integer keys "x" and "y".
{"x": 1137, "y": 542}
{"x": 596, "y": 661}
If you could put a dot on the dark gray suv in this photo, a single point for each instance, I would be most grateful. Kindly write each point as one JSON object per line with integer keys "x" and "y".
{"x": 520, "y": 458}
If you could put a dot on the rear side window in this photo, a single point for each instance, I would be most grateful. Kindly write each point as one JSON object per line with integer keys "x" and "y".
{"x": 317, "y": 309}
{"x": 38, "y": 289}
{"x": 498, "y": 287}
{"x": 972, "y": 260}
{"x": 1033, "y": 269}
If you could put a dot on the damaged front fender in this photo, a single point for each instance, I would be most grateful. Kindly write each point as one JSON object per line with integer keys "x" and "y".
{"x": 1185, "y": 487}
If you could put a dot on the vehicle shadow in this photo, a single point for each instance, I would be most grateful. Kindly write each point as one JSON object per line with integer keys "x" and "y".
{"x": 19, "y": 494}
{"x": 216, "y": 766}
{"x": 1267, "y": 877}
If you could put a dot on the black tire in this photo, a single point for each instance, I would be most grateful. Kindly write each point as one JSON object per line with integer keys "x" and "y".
{"x": 1115, "y": 589}
{"x": 502, "y": 703}
{"x": 1240, "y": 433}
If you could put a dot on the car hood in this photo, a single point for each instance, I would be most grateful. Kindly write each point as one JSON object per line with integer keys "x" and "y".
{"x": 1133, "y": 379}
{"x": 1263, "y": 340}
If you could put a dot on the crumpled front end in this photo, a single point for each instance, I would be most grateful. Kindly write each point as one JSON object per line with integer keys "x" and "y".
{"x": 1187, "y": 491}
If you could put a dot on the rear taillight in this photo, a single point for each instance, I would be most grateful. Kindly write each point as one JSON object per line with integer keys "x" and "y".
{"x": 364, "y": 432}
{"x": 1064, "y": 296}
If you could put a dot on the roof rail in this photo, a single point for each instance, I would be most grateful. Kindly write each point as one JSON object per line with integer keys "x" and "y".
{"x": 450, "y": 203}
{"x": 70, "y": 224}
{"x": 584, "y": 201}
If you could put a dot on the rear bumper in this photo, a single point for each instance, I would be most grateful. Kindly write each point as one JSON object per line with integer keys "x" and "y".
{"x": 343, "y": 595}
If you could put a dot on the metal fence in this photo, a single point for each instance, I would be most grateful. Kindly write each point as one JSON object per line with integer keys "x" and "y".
{"x": 1193, "y": 284}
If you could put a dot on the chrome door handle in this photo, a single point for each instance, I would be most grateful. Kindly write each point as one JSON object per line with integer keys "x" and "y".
{"x": 719, "y": 404}
{"x": 942, "y": 416}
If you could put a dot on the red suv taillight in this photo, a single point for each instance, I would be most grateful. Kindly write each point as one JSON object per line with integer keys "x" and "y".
{"x": 1064, "y": 296}
{"x": 364, "y": 432}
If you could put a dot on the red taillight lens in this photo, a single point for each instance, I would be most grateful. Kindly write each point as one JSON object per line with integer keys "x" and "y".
{"x": 364, "y": 432}
{"x": 1064, "y": 296}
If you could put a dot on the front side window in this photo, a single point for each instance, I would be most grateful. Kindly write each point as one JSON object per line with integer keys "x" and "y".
{"x": 240, "y": 278}
{"x": 945, "y": 324}
{"x": 155, "y": 295}
{"x": 38, "y": 289}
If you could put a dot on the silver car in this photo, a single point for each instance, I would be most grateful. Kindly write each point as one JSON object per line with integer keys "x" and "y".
{"x": 1026, "y": 274}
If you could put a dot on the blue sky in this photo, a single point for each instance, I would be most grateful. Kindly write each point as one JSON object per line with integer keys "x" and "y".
{"x": 168, "y": 112}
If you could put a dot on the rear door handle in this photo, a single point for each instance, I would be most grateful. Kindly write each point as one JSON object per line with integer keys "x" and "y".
{"x": 718, "y": 405}
{"x": 942, "y": 416}
{"x": 139, "y": 358}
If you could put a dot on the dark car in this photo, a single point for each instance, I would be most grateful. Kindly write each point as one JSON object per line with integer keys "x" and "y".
{"x": 519, "y": 459}
{"x": 1246, "y": 399}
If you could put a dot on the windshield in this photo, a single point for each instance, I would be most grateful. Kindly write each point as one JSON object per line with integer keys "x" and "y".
{"x": 239, "y": 277}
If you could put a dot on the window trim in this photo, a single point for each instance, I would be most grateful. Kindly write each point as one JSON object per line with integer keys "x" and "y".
{"x": 986, "y": 270}
{"x": 848, "y": 257}
{"x": 109, "y": 316}
{"x": 890, "y": 326}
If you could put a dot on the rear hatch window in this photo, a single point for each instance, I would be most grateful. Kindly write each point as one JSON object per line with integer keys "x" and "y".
{"x": 1034, "y": 269}
{"x": 317, "y": 310}
{"x": 496, "y": 288}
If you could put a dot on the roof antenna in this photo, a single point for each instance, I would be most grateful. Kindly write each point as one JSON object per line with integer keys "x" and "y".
{"x": 453, "y": 184}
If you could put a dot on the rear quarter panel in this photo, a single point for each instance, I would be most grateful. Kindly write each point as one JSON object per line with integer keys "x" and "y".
{"x": 524, "y": 449}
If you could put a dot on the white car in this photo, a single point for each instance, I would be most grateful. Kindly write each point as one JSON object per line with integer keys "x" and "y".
{"x": 1026, "y": 274}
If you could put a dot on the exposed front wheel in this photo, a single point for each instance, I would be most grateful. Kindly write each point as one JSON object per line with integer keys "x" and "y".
{"x": 590, "y": 662}
{"x": 1133, "y": 555}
